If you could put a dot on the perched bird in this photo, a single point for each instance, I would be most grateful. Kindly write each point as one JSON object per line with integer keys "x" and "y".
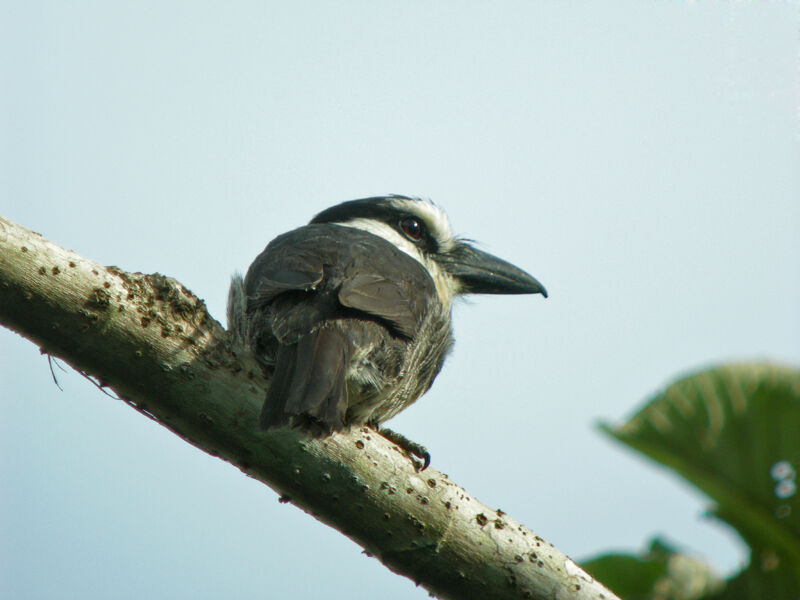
{"x": 350, "y": 315}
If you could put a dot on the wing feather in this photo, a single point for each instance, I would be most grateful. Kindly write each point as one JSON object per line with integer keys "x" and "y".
{"x": 389, "y": 300}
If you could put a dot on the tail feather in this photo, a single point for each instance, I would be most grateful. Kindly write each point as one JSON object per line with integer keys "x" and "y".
{"x": 309, "y": 386}
{"x": 273, "y": 415}
{"x": 238, "y": 323}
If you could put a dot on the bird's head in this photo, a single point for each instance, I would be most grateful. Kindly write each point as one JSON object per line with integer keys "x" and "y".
{"x": 421, "y": 229}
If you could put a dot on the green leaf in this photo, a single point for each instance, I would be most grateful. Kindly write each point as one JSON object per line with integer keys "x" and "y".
{"x": 659, "y": 573}
{"x": 631, "y": 577}
{"x": 734, "y": 432}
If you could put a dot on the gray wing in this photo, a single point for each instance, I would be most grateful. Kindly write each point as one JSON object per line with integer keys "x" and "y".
{"x": 277, "y": 270}
{"x": 384, "y": 298}
{"x": 303, "y": 291}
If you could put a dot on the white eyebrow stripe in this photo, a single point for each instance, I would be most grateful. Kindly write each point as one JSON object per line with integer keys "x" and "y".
{"x": 434, "y": 218}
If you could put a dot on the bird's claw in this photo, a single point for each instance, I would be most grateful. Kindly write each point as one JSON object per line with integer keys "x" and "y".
{"x": 416, "y": 452}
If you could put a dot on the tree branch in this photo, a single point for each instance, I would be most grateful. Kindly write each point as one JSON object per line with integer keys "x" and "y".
{"x": 154, "y": 343}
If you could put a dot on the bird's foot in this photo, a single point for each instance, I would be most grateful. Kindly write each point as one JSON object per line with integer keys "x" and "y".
{"x": 418, "y": 453}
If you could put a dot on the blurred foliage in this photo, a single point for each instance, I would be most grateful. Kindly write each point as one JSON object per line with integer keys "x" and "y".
{"x": 659, "y": 573}
{"x": 734, "y": 433}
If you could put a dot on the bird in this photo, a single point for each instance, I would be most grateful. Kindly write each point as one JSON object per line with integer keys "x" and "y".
{"x": 350, "y": 315}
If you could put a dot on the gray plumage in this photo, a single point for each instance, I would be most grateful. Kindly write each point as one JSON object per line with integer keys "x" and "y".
{"x": 350, "y": 315}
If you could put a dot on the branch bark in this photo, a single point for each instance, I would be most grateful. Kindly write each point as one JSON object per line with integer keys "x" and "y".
{"x": 153, "y": 342}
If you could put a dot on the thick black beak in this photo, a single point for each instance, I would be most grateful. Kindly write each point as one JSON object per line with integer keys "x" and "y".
{"x": 482, "y": 273}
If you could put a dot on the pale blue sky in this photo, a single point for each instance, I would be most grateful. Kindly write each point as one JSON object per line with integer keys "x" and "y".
{"x": 639, "y": 158}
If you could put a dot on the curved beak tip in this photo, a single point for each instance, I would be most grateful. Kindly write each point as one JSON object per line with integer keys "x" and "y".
{"x": 536, "y": 288}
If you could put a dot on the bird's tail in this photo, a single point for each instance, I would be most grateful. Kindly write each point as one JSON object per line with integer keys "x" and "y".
{"x": 309, "y": 388}
{"x": 238, "y": 326}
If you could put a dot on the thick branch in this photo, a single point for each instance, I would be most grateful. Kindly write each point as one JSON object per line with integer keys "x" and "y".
{"x": 154, "y": 343}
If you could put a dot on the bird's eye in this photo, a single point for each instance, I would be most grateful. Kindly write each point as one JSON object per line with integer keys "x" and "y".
{"x": 412, "y": 227}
